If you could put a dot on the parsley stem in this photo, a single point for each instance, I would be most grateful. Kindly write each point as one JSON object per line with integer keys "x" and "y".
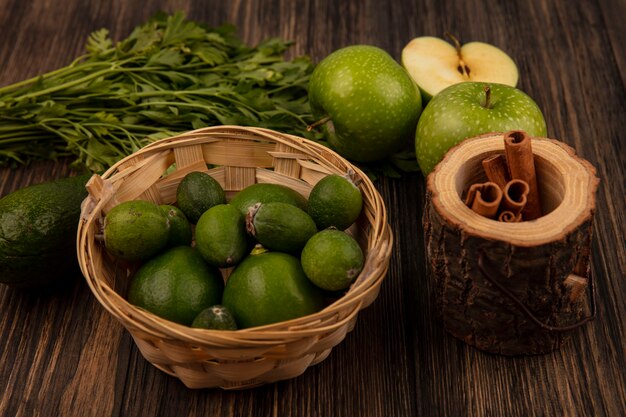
{"x": 61, "y": 71}
{"x": 168, "y": 76}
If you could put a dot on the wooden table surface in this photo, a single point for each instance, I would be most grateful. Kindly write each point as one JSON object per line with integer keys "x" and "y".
{"x": 61, "y": 354}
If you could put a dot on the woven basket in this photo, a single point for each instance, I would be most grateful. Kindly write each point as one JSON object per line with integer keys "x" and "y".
{"x": 240, "y": 157}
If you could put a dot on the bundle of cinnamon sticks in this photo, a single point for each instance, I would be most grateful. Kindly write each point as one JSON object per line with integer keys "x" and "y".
{"x": 511, "y": 193}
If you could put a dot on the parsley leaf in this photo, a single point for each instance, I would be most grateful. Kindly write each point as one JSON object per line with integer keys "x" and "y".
{"x": 168, "y": 76}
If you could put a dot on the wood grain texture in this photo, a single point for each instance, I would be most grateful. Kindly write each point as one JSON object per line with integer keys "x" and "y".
{"x": 61, "y": 354}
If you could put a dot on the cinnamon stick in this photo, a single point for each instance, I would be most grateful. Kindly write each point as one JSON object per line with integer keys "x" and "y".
{"x": 497, "y": 170}
{"x": 519, "y": 157}
{"x": 507, "y": 216}
{"x": 484, "y": 199}
{"x": 515, "y": 196}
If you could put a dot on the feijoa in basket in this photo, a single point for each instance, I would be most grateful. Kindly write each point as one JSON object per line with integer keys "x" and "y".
{"x": 236, "y": 157}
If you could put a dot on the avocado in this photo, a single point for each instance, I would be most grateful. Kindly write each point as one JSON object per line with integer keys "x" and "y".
{"x": 196, "y": 193}
{"x": 176, "y": 285}
{"x": 269, "y": 288}
{"x": 38, "y": 226}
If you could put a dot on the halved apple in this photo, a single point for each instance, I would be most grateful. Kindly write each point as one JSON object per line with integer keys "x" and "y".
{"x": 435, "y": 64}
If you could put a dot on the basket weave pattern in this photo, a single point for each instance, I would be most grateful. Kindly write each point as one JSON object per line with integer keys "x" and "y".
{"x": 238, "y": 157}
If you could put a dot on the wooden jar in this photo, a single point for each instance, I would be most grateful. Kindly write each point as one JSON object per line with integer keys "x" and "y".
{"x": 511, "y": 288}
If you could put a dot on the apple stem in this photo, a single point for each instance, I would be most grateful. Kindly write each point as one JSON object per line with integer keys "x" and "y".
{"x": 317, "y": 123}
{"x": 487, "y": 91}
{"x": 455, "y": 41}
{"x": 462, "y": 67}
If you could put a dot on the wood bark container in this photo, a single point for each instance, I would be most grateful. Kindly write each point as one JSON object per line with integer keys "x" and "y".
{"x": 511, "y": 288}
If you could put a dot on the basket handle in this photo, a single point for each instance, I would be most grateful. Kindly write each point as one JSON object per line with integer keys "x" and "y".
{"x": 488, "y": 272}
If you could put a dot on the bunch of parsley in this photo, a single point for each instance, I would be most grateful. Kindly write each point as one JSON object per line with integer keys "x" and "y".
{"x": 170, "y": 75}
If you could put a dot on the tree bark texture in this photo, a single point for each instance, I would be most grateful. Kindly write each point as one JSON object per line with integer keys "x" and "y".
{"x": 467, "y": 265}
{"x": 476, "y": 311}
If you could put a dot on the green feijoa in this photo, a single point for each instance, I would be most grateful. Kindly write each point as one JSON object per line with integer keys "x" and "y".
{"x": 176, "y": 285}
{"x": 268, "y": 288}
{"x": 196, "y": 193}
{"x": 332, "y": 259}
{"x": 135, "y": 230}
{"x": 280, "y": 226}
{"x": 217, "y": 317}
{"x": 267, "y": 193}
{"x": 335, "y": 201}
{"x": 221, "y": 236}
{"x": 180, "y": 228}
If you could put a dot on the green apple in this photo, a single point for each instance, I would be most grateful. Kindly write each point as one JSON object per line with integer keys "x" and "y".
{"x": 435, "y": 64}
{"x": 366, "y": 102}
{"x": 469, "y": 109}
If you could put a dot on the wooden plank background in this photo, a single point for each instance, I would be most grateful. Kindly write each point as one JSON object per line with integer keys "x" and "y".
{"x": 62, "y": 355}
